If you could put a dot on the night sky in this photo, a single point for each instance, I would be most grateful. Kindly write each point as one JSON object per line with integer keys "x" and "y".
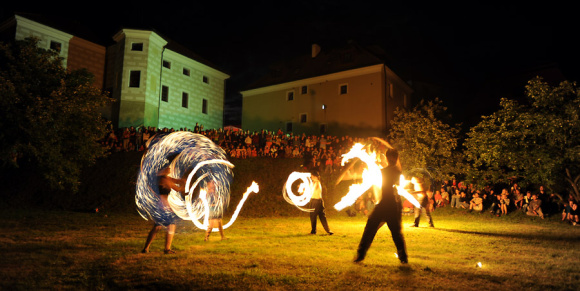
{"x": 473, "y": 53}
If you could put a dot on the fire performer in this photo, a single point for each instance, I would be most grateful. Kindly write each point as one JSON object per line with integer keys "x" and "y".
{"x": 166, "y": 183}
{"x": 317, "y": 204}
{"x": 422, "y": 197}
{"x": 387, "y": 210}
{"x": 215, "y": 218}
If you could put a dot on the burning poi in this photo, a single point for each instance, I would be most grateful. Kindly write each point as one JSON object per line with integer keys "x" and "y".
{"x": 371, "y": 176}
{"x": 204, "y": 161}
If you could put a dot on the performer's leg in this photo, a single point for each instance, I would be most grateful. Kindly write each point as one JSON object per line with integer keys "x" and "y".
{"x": 429, "y": 217}
{"x": 150, "y": 237}
{"x": 373, "y": 224}
{"x": 169, "y": 238}
{"x": 394, "y": 224}
{"x": 322, "y": 215}
{"x": 417, "y": 211}
{"x": 313, "y": 215}
{"x": 221, "y": 228}
{"x": 209, "y": 228}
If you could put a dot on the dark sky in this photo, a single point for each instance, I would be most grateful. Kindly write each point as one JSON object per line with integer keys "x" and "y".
{"x": 469, "y": 50}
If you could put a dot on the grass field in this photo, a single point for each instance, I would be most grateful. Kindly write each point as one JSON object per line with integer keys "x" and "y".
{"x": 98, "y": 251}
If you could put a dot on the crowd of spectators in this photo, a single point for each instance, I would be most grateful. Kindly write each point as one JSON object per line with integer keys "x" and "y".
{"x": 326, "y": 152}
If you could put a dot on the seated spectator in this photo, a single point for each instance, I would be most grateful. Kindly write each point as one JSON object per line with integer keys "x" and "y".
{"x": 463, "y": 200}
{"x": 476, "y": 203}
{"x": 504, "y": 202}
{"x": 535, "y": 208}
{"x": 455, "y": 199}
{"x": 518, "y": 199}
{"x": 438, "y": 199}
{"x": 495, "y": 204}
{"x": 570, "y": 213}
{"x": 445, "y": 196}
{"x": 526, "y": 201}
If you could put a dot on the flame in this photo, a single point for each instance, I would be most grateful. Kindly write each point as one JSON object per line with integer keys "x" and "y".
{"x": 371, "y": 176}
{"x": 403, "y": 192}
{"x": 254, "y": 188}
{"x": 305, "y": 189}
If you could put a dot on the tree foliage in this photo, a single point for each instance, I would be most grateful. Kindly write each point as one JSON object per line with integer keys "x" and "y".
{"x": 535, "y": 141}
{"x": 424, "y": 140}
{"x": 49, "y": 117}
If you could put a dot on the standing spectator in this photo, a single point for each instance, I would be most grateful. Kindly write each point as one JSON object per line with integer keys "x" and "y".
{"x": 125, "y": 137}
{"x": 139, "y": 139}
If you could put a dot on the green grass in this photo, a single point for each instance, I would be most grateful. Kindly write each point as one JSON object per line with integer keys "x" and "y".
{"x": 96, "y": 251}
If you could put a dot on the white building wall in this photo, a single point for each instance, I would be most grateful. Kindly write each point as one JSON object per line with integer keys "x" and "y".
{"x": 28, "y": 28}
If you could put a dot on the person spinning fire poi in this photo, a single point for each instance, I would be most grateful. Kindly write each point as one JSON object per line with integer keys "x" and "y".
{"x": 317, "y": 204}
{"x": 421, "y": 196}
{"x": 387, "y": 210}
{"x": 216, "y": 215}
{"x": 166, "y": 183}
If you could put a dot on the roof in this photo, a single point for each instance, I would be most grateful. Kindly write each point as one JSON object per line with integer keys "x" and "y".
{"x": 352, "y": 56}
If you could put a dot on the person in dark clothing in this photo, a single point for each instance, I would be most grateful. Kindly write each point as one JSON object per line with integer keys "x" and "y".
{"x": 423, "y": 199}
{"x": 387, "y": 210}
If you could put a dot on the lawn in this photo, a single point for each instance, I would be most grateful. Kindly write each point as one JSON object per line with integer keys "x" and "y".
{"x": 101, "y": 251}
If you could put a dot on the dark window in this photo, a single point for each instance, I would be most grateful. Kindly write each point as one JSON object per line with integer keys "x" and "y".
{"x": 343, "y": 89}
{"x": 204, "y": 106}
{"x": 135, "y": 79}
{"x": 186, "y": 71}
{"x": 167, "y": 64}
{"x": 55, "y": 45}
{"x": 164, "y": 93}
{"x": 137, "y": 46}
{"x": 304, "y": 90}
{"x": 322, "y": 128}
{"x": 206, "y": 79}
{"x": 303, "y": 118}
{"x": 289, "y": 127}
{"x": 184, "y": 100}
{"x": 290, "y": 96}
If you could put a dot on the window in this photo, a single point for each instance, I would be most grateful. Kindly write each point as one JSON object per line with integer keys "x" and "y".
{"x": 343, "y": 89}
{"x": 288, "y": 126}
{"x": 391, "y": 90}
{"x": 289, "y": 95}
{"x": 167, "y": 64}
{"x": 204, "y": 106}
{"x": 137, "y": 46}
{"x": 303, "y": 118}
{"x": 186, "y": 72}
{"x": 164, "y": 93}
{"x": 55, "y": 45}
{"x": 322, "y": 128}
{"x": 184, "y": 100}
{"x": 304, "y": 90}
{"x": 206, "y": 79}
{"x": 134, "y": 79}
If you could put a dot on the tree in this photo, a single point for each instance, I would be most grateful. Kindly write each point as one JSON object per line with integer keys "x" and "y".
{"x": 535, "y": 141}
{"x": 424, "y": 141}
{"x": 49, "y": 117}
